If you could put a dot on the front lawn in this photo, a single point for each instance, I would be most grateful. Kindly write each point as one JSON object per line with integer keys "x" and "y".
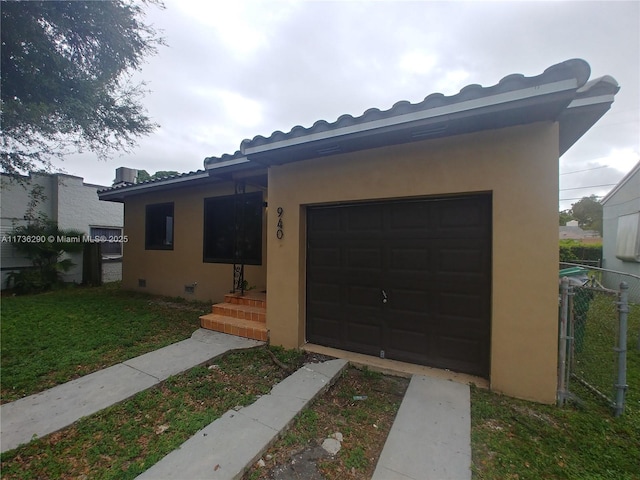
{"x": 124, "y": 440}
{"x": 54, "y": 337}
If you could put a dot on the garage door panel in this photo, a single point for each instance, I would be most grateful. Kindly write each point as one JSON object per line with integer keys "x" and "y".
{"x": 462, "y": 260}
{"x": 363, "y": 218}
{"x": 363, "y": 297}
{"x": 365, "y": 335}
{"x": 364, "y": 258}
{"x": 324, "y": 293}
{"x": 408, "y": 301}
{"x": 408, "y": 341}
{"x": 462, "y": 215}
{"x": 431, "y": 257}
{"x": 467, "y": 353}
{"x": 409, "y": 216}
{"x": 324, "y": 221}
{"x": 324, "y": 257}
{"x": 410, "y": 258}
{"x": 457, "y": 305}
{"x": 325, "y": 328}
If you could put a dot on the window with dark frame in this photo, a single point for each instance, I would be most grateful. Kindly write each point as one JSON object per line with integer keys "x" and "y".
{"x": 110, "y": 239}
{"x": 233, "y": 229}
{"x": 159, "y": 227}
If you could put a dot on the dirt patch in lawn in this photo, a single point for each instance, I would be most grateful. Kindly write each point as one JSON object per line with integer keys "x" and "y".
{"x": 355, "y": 414}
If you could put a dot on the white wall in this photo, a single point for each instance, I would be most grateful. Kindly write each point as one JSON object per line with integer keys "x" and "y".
{"x": 69, "y": 201}
{"x": 624, "y": 201}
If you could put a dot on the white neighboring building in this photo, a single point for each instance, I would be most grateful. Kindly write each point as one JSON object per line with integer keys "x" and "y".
{"x": 73, "y": 204}
{"x": 621, "y": 225}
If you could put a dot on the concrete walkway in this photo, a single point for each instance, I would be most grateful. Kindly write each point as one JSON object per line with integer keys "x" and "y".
{"x": 60, "y": 406}
{"x": 226, "y": 448}
{"x": 431, "y": 436}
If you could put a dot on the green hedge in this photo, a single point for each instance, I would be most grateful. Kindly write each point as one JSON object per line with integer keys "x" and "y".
{"x": 571, "y": 251}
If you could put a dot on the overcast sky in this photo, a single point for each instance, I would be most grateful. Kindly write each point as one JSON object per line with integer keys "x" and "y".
{"x": 236, "y": 69}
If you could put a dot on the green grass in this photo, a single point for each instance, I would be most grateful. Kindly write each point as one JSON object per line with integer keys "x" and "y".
{"x": 126, "y": 439}
{"x": 54, "y": 337}
{"x": 514, "y": 439}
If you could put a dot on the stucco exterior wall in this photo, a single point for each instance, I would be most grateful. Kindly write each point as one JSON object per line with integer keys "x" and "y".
{"x": 167, "y": 272}
{"x": 519, "y": 166}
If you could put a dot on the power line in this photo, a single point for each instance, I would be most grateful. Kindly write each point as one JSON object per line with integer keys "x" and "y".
{"x": 586, "y": 170}
{"x": 592, "y": 186}
{"x": 578, "y": 198}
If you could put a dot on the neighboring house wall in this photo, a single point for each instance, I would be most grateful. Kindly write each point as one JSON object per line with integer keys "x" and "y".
{"x": 167, "y": 272}
{"x": 13, "y": 207}
{"x": 68, "y": 201}
{"x": 517, "y": 165}
{"x": 623, "y": 202}
{"x": 570, "y": 232}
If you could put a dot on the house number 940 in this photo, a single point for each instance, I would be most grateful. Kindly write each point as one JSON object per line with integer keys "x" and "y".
{"x": 280, "y": 225}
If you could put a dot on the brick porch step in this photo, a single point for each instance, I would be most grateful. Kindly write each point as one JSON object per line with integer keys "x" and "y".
{"x": 240, "y": 315}
{"x": 250, "y": 299}
{"x": 243, "y": 312}
{"x": 235, "y": 326}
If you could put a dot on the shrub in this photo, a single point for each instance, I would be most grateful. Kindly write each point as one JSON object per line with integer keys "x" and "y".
{"x": 574, "y": 251}
{"x": 43, "y": 253}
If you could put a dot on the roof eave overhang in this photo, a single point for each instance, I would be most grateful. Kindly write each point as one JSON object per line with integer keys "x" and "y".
{"x": 538, "y": 103}
{"x": 592, "y": 101}
{"x": 119, "y": 194}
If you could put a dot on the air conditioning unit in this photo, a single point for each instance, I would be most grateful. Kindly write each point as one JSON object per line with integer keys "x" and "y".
{"x": 125, "y": 175}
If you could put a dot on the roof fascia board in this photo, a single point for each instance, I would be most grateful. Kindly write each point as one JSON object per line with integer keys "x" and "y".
{"x": 501, "y": 98}
{"x": 582, "y": 102}
{"x": 227, "y": 163}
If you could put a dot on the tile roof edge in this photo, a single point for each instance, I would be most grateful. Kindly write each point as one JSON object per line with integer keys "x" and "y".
{"x": 167, "y": 179}
{"x": 576, "y": 69}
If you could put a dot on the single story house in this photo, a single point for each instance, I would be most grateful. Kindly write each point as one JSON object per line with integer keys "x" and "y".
{"x": 571, "y": 231}
{"x": 397, "y": 233}
{"x": 621, "y": 226}
{"x": 72, "y": 204}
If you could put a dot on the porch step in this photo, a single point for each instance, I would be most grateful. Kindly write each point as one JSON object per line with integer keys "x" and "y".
{"x": 250, "y": 299}
{"x": 235, "y": 326}
{"x": 242, "y": 312}
{"x": 240, "y": 315}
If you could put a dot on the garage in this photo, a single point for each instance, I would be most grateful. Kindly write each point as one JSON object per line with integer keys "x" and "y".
{"x": 408, "y": 280}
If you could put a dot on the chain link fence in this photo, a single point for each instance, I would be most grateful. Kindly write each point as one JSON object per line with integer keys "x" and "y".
{"x": 599, "y": 317}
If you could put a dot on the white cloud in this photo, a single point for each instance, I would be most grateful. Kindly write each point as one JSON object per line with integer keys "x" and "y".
{"x": 417, "y": 62}
{"x": 240, "y": 68}
{"x": 623, "y": 160}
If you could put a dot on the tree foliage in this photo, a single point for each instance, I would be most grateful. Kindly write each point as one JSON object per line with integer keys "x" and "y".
{"x": 143, "y": 175}
{"x": 66, "y": 79}
{"x": 588, "y": 213}
{"x": 564, "y": 217}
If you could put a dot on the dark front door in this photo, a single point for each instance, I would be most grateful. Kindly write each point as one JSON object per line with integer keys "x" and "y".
{"x": 408, "y": 280}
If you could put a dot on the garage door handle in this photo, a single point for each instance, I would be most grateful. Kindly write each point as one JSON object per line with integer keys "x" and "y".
{"x": 384, "y": 297}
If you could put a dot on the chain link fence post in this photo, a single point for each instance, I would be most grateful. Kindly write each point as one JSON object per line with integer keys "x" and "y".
{"x": 563, "y": 344}
{"x": 621, "y": 384}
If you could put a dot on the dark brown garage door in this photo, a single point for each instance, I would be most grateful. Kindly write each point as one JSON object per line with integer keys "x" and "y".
{"x": 408, "y": 280}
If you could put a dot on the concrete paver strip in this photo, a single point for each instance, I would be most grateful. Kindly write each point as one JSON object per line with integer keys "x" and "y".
{"x": 225, "y": 448}
{"x": 431, "y": 436}
{"x": 46, "y": 412}
{"x": 60, "y": 406}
